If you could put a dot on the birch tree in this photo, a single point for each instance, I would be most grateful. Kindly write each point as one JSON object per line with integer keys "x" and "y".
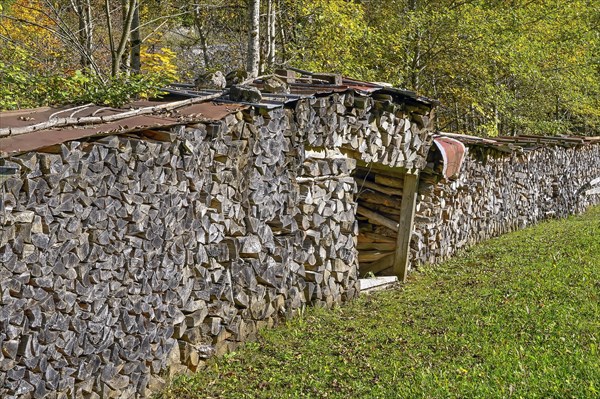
{"x": 271, "y": 33}
{"x": 253, "y": 56}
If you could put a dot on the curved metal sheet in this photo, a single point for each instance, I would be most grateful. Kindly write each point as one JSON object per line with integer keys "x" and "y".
{"x": 453, "y": 153}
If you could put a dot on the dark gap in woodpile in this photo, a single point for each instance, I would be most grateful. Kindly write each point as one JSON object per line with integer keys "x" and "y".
{"x": 379, "y": 197}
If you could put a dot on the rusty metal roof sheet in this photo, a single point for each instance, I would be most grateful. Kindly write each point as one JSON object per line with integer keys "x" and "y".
{"x": 11, "y": 145}
{"x": 453, "y": 155}
{"x": 29, "y": 117}
{"x": 45, "y": 138}
{"x": 205, "y": 111}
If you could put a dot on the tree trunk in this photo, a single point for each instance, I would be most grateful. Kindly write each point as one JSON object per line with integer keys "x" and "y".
{"x": 253, "y": 59}
{"x": 117, "y": 51}
{"x": 415, "y": 59}
{"x": 283, "y": 39}
{"x": 271, "y": 15}
{"x": 136, "y": 41}
{"x": 199, "y": 24}
{"x": 83, "y": 9}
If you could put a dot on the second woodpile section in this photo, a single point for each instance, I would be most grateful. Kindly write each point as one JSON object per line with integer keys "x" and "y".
{"x": 496, "y": 193}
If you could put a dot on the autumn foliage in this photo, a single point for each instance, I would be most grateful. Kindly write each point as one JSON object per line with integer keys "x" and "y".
{"x": 498, "y": 67}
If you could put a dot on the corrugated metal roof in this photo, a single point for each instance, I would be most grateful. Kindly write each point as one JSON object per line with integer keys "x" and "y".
{"x": 45, "y": 138}
{"x": 15, "y": 144}
{"x": 29, "y": 117}
{"x": 300, "y": 89}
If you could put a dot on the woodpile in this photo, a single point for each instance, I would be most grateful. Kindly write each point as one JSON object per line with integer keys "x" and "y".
{"x": 387, "y": 138}
{"x": 327, "y": 216}
{"x": 125, "y": 255}
{"x": 128, "y": 254}
{"x": 498, "y": 192}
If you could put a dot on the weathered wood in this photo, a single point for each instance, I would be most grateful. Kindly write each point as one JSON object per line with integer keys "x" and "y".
{"x": 372, "y": 237}
{"x": 159, "y": 135}
{"x": 376, "y": 218}
{"x": 90, "y": 120}
{"x": 387, "y": 211}
{"x": 405, "y": 226}
{"x": 593, "y": 191}
{"x": 198, "y": 236}
{"x": 372, "y": 255}
{"x": 394, "y": 172}
{"x": 378, "y": 199}
{"x": 374, "y": 186}
{"x": 380, "y": 246}
{"x": 384, "y": 180}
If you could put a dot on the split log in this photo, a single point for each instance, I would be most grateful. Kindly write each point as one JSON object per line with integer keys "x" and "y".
{"x": 380, "y": 246}
{"x": 389, "y": 181}
{"x": 378, "y": 199}
{"x": 372, "y": 256}
{"x": 365, "y": 237}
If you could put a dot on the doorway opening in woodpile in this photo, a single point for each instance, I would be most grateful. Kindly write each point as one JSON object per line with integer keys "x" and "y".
{"x": 379, "y": 199}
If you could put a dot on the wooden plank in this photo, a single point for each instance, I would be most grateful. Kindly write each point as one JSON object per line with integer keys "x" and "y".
{"x": 363, "y": 183}
{"x": 366, "y": 236}
{"x": 405, "y": 226}
{"x": 376, "y": 218}
{"x": 377, "y": 283}
{"x": 593, "y": 191}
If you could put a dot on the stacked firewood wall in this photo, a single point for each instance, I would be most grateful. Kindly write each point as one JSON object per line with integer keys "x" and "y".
{"x": 126, "y": 254}
{"x": 372, "y": 129}
{"x": 387, "y": 138}
{"x": 496, "y": 193}
{"x": 327, "y": 216}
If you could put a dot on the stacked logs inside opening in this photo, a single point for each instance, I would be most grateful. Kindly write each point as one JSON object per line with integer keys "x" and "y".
{"x": 379, "y": 198}
{"x": 127, "y": 255}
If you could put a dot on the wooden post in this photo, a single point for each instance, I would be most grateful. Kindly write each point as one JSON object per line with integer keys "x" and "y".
{"x": 405, "y": 227}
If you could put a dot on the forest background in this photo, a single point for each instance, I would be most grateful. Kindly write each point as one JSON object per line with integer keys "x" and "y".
{"x": 498, "y": 67}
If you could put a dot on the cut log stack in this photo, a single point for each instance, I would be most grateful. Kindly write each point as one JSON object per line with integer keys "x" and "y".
{"x": 328, "y": 219}
{"x": 387, "y": 138}
{"x": 379, "y": 200}
{"x": 376, "y": 129}
{"x": 123, "y": 255}
{"x": 500, "y": 192}
{"x": 380, "y": 207}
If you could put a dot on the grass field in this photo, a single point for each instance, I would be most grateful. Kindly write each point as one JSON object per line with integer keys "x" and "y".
{"x": 518, "y": 316}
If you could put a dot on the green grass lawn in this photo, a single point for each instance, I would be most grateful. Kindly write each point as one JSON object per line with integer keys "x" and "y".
{"x": 518, "y": 316}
